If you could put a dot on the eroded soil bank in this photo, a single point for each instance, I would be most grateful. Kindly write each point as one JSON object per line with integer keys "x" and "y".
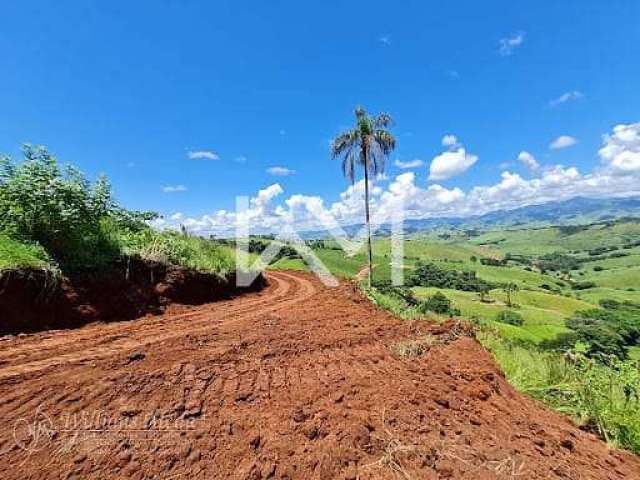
{"x": 34, "y": 300}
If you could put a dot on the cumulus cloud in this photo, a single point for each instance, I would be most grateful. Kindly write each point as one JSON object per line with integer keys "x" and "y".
{"x": 509, "y": 44}
{"x": 451, "y": 163}
{"x": 409, "y": 164}
{"x": 529, "y": 161}
{"x": 202, "y": 155}
{"x": 563, "y": 141}
{"x": 280, "y": 171}
{"x": 174, "y": 188}
{"x": 566, "y": 97}
{"x": 621, "y": 150}
{"x": 619, "y": 175}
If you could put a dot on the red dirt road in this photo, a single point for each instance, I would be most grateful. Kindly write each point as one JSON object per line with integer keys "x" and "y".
{"x": 296, "y": 382}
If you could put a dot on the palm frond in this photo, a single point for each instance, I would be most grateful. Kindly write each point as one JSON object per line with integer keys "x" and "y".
{"x": 343, "y": 142}
{"x": 383, "y": 120}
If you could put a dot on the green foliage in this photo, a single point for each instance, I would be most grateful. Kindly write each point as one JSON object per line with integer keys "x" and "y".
{"x": 50, "y": 214}
{"x": 438, "y": 303}
{"x": 60, "y": 209}
{"x": 510, "y": 317}
{"x": 178, "y": 249}
{"x": 558, "y": 262}
{"x": 585, "y": 285}
{"x": 15, "y": 255}
{"x": 430, "y": 275}
{"x": 608, "y": 331}
{"x": 601, "y": 397}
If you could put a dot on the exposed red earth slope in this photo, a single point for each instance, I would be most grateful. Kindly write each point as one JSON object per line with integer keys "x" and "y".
{"x": 298, "y": 381}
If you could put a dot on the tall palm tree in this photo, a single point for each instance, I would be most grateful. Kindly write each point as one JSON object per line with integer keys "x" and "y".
{"x": 367, "y": 144}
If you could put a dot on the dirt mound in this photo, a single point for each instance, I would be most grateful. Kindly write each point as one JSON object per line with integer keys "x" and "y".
{"x": 295, "y": 382}
{"x": 34, "y": 300}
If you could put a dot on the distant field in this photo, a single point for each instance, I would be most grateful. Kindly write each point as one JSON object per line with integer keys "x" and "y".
{"x": 544, "y": 314}
{"x": 536, "y": 241}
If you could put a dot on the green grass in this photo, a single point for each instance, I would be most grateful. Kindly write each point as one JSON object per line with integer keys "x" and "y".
{"x": 289, "y": 264}
{"x": 594, "y": 295}
{"x": 544, "y": 314}
{"x": 176, "y": 249}
{"x": 593, "y": 394}
{"x": 537, "y": 241}
{"x": 617, "y": 278}
{"x": 16, "y": 255}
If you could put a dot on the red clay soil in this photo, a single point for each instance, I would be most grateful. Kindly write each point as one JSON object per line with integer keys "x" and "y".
{"x": 298, "y": 381}
{"x": 34, "y": 300}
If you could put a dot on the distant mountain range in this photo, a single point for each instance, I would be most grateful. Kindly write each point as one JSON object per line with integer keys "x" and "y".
{"x": 578, "y": 210}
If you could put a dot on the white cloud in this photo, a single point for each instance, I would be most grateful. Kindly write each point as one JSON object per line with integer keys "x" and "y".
{"x": 453, "y": 162}
{"x": 240, "y": 159}
{"x": 509, "y": 44}
{"x": 280, "y": 171}
{"x": 385, "y": 40}
{"x": 409, "y": 164}
{"x": 282, "y": 131}
{"x": 563, "y": 141}
{"x": 621, "y": 150}
{"x": 619, "y": 176}
{"x": 174, "y": 188}
{"x": 566, "y": 97}
{"x": 529, "y": 161}
{"x": 202, "y": 155}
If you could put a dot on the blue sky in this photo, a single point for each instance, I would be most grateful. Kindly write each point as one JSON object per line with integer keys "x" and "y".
{"x": 130, "y": 88}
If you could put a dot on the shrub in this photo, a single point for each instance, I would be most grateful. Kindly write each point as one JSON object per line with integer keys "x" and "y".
{"x": 438, "y": 303}
{"x": 510, "y": 317}
{"x": 583, "y": 285}
{"x": 60, "y": 209}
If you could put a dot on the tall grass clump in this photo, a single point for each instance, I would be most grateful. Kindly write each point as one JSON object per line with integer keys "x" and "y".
{"x": 179, "y": 249}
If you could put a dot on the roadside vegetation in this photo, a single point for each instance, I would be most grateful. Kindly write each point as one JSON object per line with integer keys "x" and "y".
{"x": 52, "y": 217}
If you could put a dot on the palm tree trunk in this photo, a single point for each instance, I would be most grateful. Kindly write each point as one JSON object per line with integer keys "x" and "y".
{"x": 366, "y": 210}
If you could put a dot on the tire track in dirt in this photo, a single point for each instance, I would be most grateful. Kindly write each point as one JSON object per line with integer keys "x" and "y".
{"x": 89, "y": 344}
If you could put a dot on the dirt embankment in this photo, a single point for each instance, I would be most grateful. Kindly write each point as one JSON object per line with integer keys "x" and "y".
{"x": 297, "y": 381}
{"x": 33, "y": 300}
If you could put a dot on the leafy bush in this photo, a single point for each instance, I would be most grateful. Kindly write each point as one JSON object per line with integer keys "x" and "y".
{"x": 608, "y": 331}
{"x": 510, "y": 317}
{"x": 60, "y": 209}
{"x": 438, "y": 303}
